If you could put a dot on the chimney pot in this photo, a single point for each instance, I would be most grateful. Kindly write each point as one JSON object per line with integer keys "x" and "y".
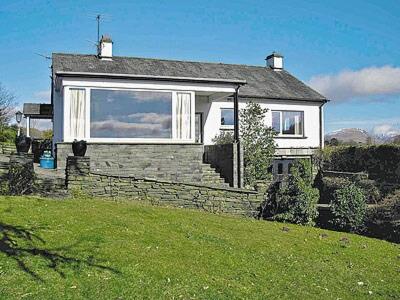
{"x": 275, "y": 61}
{"x": 105, "y": 47}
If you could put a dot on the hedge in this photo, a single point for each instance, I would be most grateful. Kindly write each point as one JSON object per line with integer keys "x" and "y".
{"x": 382, "y": 162}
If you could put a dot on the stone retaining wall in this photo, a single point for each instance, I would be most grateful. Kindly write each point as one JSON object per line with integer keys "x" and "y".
{"x": 189, "y": 195}
{"x": 225, "y": 159}
{"x": 174, "y": 162}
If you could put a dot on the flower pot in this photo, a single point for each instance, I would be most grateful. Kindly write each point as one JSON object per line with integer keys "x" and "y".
{"x": 23, "y": 143}
{"x": 79, "y": 148}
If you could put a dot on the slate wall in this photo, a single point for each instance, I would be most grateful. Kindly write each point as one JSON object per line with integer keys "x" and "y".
{"x": 225, "y": 159}
{"x": 175, "y": 162}
{"x": 162, "y": 192}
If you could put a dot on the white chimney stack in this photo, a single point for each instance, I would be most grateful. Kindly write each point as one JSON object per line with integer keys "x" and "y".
{"x": 275, "y": 61}
{"x": 105, "y": 48}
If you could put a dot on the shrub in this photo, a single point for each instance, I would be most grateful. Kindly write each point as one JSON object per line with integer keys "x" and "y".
{"x": 7, "y": 134}
{"x": 329, "y": 185}
{"x": 384, "y": 220}
{"x": 297, "y": 201}
{"x": 349, "y": 208}
{"x": 224, "y": 137}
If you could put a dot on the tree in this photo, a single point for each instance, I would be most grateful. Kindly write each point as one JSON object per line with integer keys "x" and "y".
{"x": 7, "y": 104}
{"x": 258, "y": 143}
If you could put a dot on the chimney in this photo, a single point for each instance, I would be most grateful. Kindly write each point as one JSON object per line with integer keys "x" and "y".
{"x": 275, "y": 61}
{"x": 104, "y": 50}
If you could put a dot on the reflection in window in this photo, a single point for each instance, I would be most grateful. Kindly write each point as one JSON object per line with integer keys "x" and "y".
{"x": 130, "y": 114}
{"x": 276, "y": 121}
{"x": 288, "y": 122}
{"x": 227, "y": 116}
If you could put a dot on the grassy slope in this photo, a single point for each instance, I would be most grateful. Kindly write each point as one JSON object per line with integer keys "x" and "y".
{"x": 167, "y": 253}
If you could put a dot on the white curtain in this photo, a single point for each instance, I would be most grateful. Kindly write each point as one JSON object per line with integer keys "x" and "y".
{"x": 297, "y": 124}
{"x": 77, "y": 114}
{"x": 183, "y": 116}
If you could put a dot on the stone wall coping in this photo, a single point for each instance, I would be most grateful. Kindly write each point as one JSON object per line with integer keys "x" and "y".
{"x": 229, "y": 189}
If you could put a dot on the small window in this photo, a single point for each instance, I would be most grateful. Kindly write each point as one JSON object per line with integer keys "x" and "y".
{"x": 280, "y": 168}
{"x": 227, "y": 117}
{"x": 290, "y": 123}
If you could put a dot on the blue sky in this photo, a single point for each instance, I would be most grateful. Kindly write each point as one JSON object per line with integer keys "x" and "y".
{"x": 347, "y": 49}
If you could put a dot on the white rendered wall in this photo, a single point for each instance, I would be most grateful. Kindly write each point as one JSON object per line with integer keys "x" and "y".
{"x": 57, "y": 116}
{"x": 212, "y": 120}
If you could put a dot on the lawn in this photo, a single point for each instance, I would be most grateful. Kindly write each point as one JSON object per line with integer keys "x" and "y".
{"x": 99, "y": 249}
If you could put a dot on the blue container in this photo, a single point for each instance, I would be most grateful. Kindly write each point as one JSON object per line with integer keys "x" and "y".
{"x": 47, "y": 162}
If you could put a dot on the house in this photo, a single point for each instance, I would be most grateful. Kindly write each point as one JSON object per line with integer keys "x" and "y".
{"x": 152, "y": 117}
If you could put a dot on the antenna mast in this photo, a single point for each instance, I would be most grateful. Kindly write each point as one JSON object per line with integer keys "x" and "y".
{"x": 98, "y": 29}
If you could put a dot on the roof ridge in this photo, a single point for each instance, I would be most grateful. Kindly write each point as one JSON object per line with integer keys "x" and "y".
{"x": 165, "y": 59}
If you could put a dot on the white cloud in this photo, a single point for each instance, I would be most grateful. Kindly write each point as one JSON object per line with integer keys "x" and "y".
{"x": 386, "y": 130}
{"x": 365, "y": 83}
{"x": 125, "y": 129}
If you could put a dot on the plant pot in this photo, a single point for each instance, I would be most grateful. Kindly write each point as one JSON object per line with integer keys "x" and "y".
{"x": 79, "y": 148}
{"x": 23, "y": 143}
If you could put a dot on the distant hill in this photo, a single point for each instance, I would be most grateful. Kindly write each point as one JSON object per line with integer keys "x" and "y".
{"x": 349, "y": 135}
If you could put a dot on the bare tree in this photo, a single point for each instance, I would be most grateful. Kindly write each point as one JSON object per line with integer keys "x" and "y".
{"x": 7, "y": 104}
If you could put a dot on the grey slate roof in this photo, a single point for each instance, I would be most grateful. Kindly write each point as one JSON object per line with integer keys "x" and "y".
{"x": 262, "y": 82}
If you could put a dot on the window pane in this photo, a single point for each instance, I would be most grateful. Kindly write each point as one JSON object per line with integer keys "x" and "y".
{"x": 292, "y": 122}
{"x": 227, "y": 116}
{"x": 77, "y": 113}
{"x": 130, "y": 114}
{"x": 276, "y": 121}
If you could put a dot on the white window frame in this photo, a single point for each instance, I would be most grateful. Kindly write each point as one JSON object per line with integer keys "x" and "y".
{"x": 88, "y": 138}
{"x": 225, "y": 127}
{"x": 280, "y": 133}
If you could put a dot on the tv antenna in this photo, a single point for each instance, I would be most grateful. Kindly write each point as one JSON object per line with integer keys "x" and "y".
{"x": 42, "y": 55}
{"x": 99, "y": 18}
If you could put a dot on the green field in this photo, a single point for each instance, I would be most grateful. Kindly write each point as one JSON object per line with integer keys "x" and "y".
{"x": 98, "y": 249}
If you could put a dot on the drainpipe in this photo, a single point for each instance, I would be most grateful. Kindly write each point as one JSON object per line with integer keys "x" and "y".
{"x": 321, "y": 125}
{"x": 236, "y": 134}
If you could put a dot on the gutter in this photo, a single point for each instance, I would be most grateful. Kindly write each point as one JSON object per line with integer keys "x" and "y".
{"x": 321, "y": 133}
{"x": 285, "y": 98}
{"x": 150, "y": 77}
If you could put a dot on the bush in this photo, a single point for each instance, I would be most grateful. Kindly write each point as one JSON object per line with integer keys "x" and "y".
{"x": 349, "y": 208}
{"x": 384, "y": 220}
{"x": 7, "y": 134}
{"x": 297, "y": 201}
{"x": 329, "y": 185}
{"x": 224, "y": 137}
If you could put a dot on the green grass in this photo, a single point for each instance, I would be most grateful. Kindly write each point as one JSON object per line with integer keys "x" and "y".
{"x": 97, "y": 249}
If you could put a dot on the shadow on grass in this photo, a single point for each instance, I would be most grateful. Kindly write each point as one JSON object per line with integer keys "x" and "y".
{"x": 11, "y": 238}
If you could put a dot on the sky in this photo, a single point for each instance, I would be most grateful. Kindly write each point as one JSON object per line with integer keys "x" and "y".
{"x": 347, "y": 50}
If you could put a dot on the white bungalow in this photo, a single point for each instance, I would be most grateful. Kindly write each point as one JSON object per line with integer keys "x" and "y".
{"x": 152, "y": 117}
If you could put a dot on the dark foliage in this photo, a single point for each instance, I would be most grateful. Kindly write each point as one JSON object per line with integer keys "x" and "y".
{"x": 380, "y": 162}
{"x": 348, "y": 208}
{"x": 297, "y": 201}
{"x": 384, "y": 220}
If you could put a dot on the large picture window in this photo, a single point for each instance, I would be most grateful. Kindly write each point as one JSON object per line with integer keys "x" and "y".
{"x": 130, "y": 114}
{"x": 288, "y": 123}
